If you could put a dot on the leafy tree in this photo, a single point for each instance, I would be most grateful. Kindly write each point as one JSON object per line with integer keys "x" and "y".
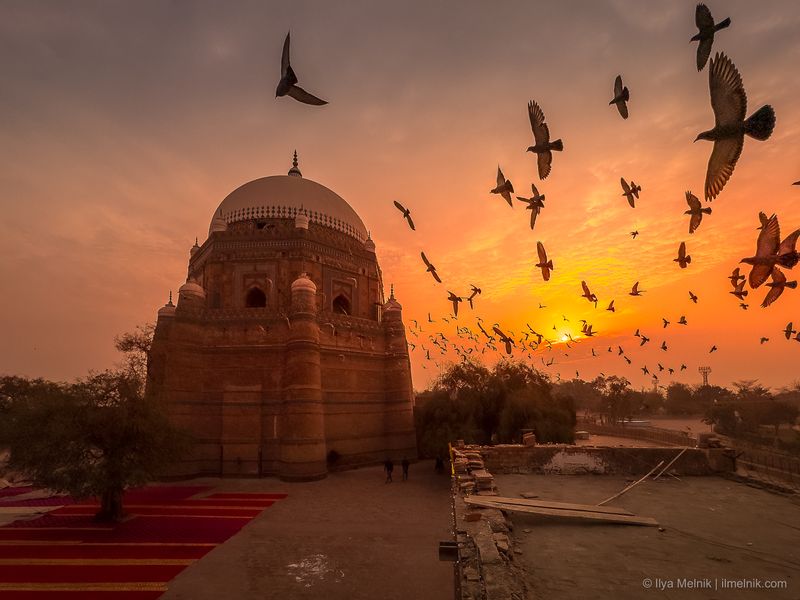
{"x": 94, "y": 437}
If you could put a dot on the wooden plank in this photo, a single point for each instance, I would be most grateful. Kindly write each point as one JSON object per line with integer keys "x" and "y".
{"x": 611, "y": 510}
{"x": 670, "y": 463}
{"x": 631, "y": 486}
{"x": 573, "y": 514}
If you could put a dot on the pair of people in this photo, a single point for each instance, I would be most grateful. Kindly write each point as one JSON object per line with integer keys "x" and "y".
{"x": 388, "y": 466}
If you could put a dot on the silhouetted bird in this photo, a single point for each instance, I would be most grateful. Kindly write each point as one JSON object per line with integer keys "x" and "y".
{"x": 545, "y": 265}
{"x": 406, "y": 213}
{"x": 621, "y": 97}
{"x": 729, "y": 101}
{"x": 631, "y": 192}
{"x": 695, "y": 210}
{"x": 683, "y": 367}
{"x": 692, "y": 297}
{"x": 770, "y": 252}
{"x": 504, "y": 187}
{"x": 777, "y": 284}
{"x": 287, "y": 86}
{"x": 541, "y": 134}
{"x": 664, "y": 346}
{"x": 587, "y": 294}
{"x": 705, "y": 23}
{"x": 666, "y": 323}
{"x": 611, "y": 307}
{"x": 735, "y": 277}
{"x": 634, "y": 234}
{"x": 535, "y": 204}
{"x": 504, "y": 338}
{"x": 788, "y": 331}
{"x": 455, "y": 300}
{"x": 475, "y": 292}
{"x": 635, "y": 291}
{"x": 744, "y": 305}
{"x": 739, "y": 291}
{"x": 713, "y": 349}
{"x": 764, "y": 339}
{"x": 431, "y": 269}
{"x": 683, "y": 259}
{"x": 682, "y": 321}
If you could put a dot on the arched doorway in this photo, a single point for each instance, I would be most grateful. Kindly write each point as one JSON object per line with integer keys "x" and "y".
{"x": 255, "y": 298}
{"x": 341, "y": 305}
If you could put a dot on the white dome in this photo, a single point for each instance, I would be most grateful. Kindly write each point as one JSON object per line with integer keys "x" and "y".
{"x": 282, "y": 196}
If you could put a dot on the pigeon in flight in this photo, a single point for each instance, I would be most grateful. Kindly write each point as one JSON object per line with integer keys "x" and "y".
{"x": 504, "y": 187}
{"x": 666, "y": 323}
{"x": 683, "y": 259}
{"x": 634, "y": 234}
{"x": 692, "y": 297}
{"x": 635, "y": 291}
{"x": 664, "y": 346}
{"x": 504, "y": 338}
{"x": 764, "y": 339}
{"x": 455, "y": 300}
{"x": 535, "y": 204}
{"x": 729, "y": 101}
{"x": 777, "y": 286}
{"x": 707, "y": 29}
{"x": 545, "y": 265}
{"x": 406, "y": 213}
{"x": 431, "y": 269}
{"x": 621, "y": 97}
{"x": 735, "y": 277}
{"x": 611, "y": 307}
{"x": 769, "y": 252}
{"x": 744, "y": 305}
{"x": 475, "y": 292}
{"x": 739, "y": 291}
{"x": 682, "y": 321}
{"x": 287, "y": 86}
{"x": 788, "y": 331}
{"x": 587, "y": 294}
{"x": 541, "y": 135}
{"x": 695, "y": 210}
{"x": 631, "y": 192}
{"x": 713, "y": 349}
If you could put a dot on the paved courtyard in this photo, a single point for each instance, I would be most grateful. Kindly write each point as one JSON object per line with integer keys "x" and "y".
{"x": 349, "y": 536}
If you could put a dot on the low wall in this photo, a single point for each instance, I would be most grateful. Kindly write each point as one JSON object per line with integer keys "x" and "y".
{"x": 667, "y": 437}
{"x": 574, "y": 460}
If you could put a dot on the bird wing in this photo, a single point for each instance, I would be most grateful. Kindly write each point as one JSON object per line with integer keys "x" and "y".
{"x": 694, "y": 221}
{"x": 622, "y": 107}
{"x": 758, "y": 275}
{"x": 534, "y": 190}
{"x": 425, "y": 259}
{"x": 534, "y": 214}
{"x": 585, "y": 288}
{"x": 728, "y": 98}
{"x": 721, "y": 163}
{"x": 774, "y": 292}
{"x": 635, "y": 287}
{"x": 543, "y": 161}
{"x": 500, "y": 178}
{"x": 618, "y": 86}
{"x": 769, "y": 238}
{"x": 625, "y": 187}
{"x": 692, "y": 201}
{"x": 702, "y": 17}
{"x": 541, "y": 134}
{"x": 682, "y": 250}
{"x": 285, "y": 56}
{"x": 436, "y": 276}
{"x": 303, "y": 96}
{"x": 703, "y": 52}
{"x": 410, "y": 222}
{"x": 789, "y": 244}
{"x": 399, "y": 206}
{"x": 541, "y": 251}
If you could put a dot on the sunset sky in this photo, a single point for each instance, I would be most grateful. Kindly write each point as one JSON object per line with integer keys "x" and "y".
{"x": 124, "y": 124}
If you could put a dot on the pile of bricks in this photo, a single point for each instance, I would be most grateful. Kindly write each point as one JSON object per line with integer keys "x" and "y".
{"x": 471, "y": 474}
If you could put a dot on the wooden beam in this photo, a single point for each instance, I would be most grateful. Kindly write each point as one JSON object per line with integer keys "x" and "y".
{"x": 572, "y": 514}
{"x": 631, "y": 486}
{"x": 670, "y": 463}
{"x": 611, "y": 510}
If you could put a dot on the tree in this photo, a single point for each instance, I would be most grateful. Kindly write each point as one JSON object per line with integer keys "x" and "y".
{"x": 94, "y": 437}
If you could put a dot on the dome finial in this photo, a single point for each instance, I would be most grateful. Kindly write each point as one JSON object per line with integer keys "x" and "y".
{"x": 170, "y": 299}
{"x": 391, "y": 292}
{"x": 294, "y": 171}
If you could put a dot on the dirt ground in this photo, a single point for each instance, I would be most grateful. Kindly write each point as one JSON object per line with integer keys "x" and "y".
{"x": 349, "y": 536}
{"x": 715, "y": 530}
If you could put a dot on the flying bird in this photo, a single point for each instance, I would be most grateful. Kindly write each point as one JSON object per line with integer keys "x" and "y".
{"x": 692, "y": 297}
{"x": 683, "y": 259}
{"x": 406, "y": 213}
{"x": 587, "y": 294}
{"x": 634, "y": 234}
{"x": 631, "y": 192}
{"x": 475, "y": 292}
{"x": 666, "y": 323}
{"x": 535, "y": 204}
{"x": 541, "y": 134}
{"x": 635, "y": 291}
{"x": 788, "y": 331}
{"x": 764, "y": 339}
{"x": 455, "y": 300}
{"x": 545, "y": 265}
{"x": 735, "y": 277}
{"x": 504, "y": 187}
{"x": 729, "y": 101}
{"x": 682, "y": 321}
{"x": 696, "y": 211}
{"x": 431, "y": 269}
{"x": 621, "y": 97}
{"x": 713, "y": 349}
{"x": 707, "y": 29}
{"x": 777, "y": 286}
{"x": 504, "y": 338}
{"x": 287, "y": 86}
{"x": 770, "y": 252}
{"x": 611, "y": 307}
{"x": 739, "y": 291}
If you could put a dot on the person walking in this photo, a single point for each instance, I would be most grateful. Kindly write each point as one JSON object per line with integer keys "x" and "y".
{"x": 405, "y": 465}
{"x": 388, "y": 467}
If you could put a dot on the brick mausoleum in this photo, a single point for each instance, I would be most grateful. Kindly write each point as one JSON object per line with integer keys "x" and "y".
{"x": 281, "y": 356}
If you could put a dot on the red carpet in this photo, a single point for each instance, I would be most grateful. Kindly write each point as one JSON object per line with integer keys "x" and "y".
{"x": 65, "y": 555}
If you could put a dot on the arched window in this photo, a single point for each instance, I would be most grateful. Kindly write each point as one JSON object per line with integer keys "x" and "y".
{"x": 255, "y": 298}
{"x": 341, "y": 305}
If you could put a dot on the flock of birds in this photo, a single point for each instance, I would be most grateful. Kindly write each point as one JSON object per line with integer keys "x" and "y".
{"x": 731, "y": 126}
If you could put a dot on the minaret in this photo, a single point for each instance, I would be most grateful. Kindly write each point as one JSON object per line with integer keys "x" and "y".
{"x": 301, "y": 427}
{"x": 398, "y": 421}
